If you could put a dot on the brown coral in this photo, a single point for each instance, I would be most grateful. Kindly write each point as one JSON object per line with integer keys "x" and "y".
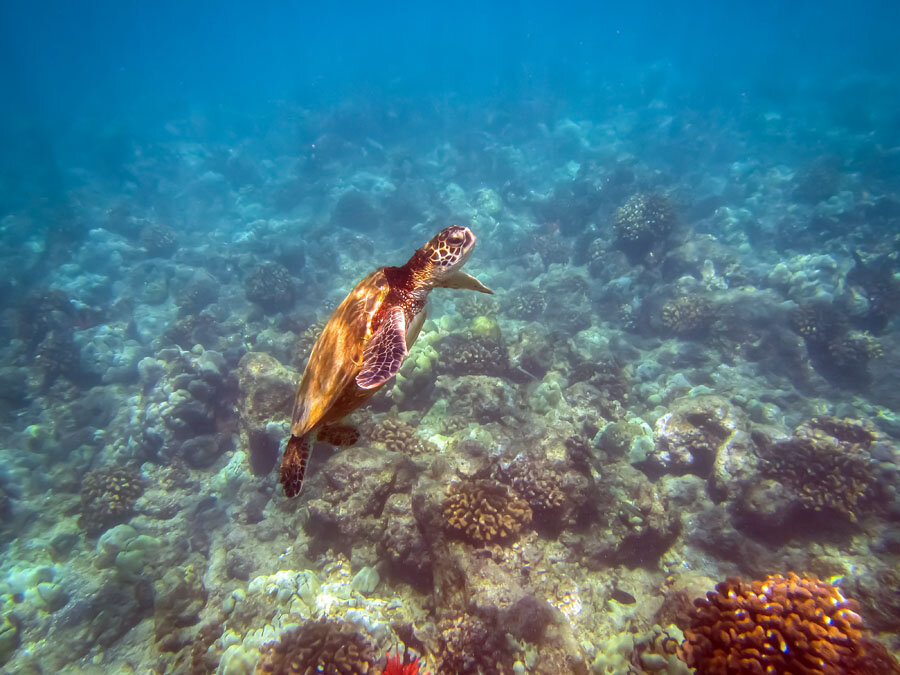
{"x": 779, "y": 625}
{"x": 398, "y": 436}
{"x": 323, "y": 646}
{"x": 107, "y": 497}
{"x": 826, "y": 464}
{"x": 686, "y": 314}
{"x": 485, "y": 511}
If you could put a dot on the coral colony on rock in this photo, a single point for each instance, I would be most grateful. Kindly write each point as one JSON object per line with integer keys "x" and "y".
{"x": 667, "y": 440}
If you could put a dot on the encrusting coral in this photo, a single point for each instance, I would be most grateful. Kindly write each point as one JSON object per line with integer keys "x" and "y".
{"x": 323, "y": 646}
{"x": 107, "y": 497}
{"x": 781, "y": 625}
{"x": 484, "y": 511}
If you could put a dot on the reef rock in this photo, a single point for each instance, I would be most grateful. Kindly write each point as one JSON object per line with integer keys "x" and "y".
{"x": 265, "y": 397}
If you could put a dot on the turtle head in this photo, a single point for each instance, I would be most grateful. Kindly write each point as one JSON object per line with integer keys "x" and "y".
{"x": 448, "y": 250}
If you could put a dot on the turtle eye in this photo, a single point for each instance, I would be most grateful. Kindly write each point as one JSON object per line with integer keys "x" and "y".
{"x": 455, "y": 239}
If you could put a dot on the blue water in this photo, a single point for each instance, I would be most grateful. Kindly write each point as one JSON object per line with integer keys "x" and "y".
{"x": 689, "y": 214}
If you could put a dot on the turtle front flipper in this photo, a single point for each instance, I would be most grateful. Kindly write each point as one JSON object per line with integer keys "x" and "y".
{"x": 385, "y": 351}
{"x": 293, "y": 464}
{"x": 465, "y": 282}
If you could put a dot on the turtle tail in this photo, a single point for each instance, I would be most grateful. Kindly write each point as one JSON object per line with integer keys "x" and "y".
{"x": 293, "y": 464}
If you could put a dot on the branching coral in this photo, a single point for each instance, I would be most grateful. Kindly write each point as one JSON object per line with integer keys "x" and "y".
{"x": 484, "y": 511}
{"x": 826, "y": 464}
{"x": 108, "y": 497}
{"x": 323, "y": 646}
{"x": 398, "y": 436}
{"x": 779, "y": 625}
{"x": 687, "y": 314}
{"x": 270, "y": 286}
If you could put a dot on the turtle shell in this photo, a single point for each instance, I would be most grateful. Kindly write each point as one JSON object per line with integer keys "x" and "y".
{"x": 328, "y": 390}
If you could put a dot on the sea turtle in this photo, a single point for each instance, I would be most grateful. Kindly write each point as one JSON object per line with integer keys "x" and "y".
{"x": 365, "y": 341}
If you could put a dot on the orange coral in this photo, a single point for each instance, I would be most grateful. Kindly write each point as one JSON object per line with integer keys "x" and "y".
{"x": 780, "y": 625}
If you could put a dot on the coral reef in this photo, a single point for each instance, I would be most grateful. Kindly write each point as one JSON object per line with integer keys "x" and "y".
{"x": 323, "y": 646}
{"x": 108, "y": 496}
{"x": 484, "y": 511}
{"x": 780, "y": 624}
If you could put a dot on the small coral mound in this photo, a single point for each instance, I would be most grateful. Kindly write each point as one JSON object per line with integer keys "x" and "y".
{"x": 831, "y": 344}
{"x": 398, "y": 436}
{"x": 484, "y": 511}
{"x": 197, "y": 295}
{"x": 158, "y": 240}
{"x": 643, "y": 221}
{"x": 537, "y": 483}
{"x": 686, "y": 314}
{"x": 323, "y": 646}
{"x": 471, "y": 355}
{"x": 471, "y": 305}
{"x": 854, "y": 348}
{"x": 108, "y": 497}
{"x": 467, "y": 645}
{"x": 826, "y": 464}
{"x": 779, "y": 625}
{"x": 270, "y": 286}
{"x": 526, "y": 304}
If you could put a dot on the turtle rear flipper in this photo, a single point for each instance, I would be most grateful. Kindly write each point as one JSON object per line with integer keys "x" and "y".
{"x": 293, "y": 464}
{"x": 385, "y": 351}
